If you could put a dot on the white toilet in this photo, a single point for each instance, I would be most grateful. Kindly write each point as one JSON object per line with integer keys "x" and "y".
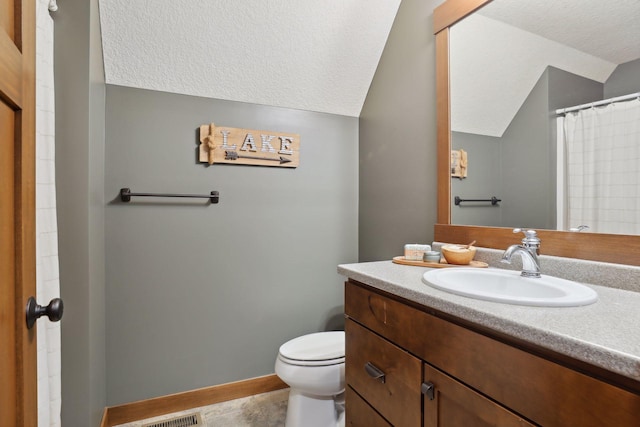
{"x": 313, "y": 366}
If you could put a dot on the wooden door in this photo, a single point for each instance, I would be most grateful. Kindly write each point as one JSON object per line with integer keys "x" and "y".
{"x": 18, "y": 389}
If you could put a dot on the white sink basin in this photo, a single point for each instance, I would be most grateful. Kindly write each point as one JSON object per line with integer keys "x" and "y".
{"x": 509, "y": 287}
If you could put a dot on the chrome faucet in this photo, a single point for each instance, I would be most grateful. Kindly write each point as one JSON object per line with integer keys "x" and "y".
{"x": 528, "y": 250}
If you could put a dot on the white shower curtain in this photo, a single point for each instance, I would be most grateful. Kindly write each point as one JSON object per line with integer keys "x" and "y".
{"x": 603, "y": 168}
{"x": 47, "y": 283}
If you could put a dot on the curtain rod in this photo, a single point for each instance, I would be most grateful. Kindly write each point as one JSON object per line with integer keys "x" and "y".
{"x": 598, "y": 103}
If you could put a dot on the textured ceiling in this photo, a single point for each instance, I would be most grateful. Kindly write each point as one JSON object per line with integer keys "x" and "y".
{"x": 499, "y": 53}
{"x": 303, "y": 54}
{"x": 606, "y": 29}
{"x": 322, "y": 55}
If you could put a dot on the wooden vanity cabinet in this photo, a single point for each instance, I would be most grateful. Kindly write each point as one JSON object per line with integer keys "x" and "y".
{"x": 408, "y": 366}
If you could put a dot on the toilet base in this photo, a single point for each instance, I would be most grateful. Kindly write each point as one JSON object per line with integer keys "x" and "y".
{"x": 305, "y": 410}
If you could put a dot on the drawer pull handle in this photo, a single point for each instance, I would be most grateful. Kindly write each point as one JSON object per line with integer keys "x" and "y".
{"x": 374, "y": 372}
{"x": 428, "y": 390}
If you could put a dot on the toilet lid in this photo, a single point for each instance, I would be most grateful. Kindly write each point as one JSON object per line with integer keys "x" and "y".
{"x": 315, "y": 347}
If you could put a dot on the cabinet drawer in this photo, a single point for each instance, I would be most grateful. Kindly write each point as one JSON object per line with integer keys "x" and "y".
{"x": 360, "y": 414}
{"x": 396, "y": 393}
{"x": 403, "y": 325}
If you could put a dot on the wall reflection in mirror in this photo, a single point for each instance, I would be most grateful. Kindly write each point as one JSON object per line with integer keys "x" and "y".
{"x": 513, "y": 64}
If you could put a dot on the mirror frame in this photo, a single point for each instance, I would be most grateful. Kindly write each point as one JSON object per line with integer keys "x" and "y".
{"x": 614, "y": 248}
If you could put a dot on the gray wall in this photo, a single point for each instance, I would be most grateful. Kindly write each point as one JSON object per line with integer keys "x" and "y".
{"x": 483, "y": 180}
{"x": 525, "y": 163}
{"x": 568, "y": 89}
{"x": 79, "y": 83}
{"x": 398, "y": 139}
{"x": 199, "y": 294}
{"x": 624, "y": 80}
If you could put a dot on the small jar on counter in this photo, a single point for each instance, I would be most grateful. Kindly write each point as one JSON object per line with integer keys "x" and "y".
{"x": 431, "y": 256}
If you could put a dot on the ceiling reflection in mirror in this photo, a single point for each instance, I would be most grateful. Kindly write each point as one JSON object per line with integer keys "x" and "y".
{"x": 512, "y": 65}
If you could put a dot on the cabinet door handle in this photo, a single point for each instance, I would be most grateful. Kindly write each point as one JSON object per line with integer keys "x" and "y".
{"x": 428, "y": 390}
{"x": 374, "y": 372}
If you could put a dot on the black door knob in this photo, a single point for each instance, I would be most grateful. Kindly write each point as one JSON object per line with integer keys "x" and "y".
{"x": 34, "y": 311}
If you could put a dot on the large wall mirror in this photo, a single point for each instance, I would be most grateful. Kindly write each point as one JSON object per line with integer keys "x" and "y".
{"x": 503, "y": 69}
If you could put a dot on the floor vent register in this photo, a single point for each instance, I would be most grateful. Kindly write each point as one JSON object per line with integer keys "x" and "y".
{"x": 194, "y": 419}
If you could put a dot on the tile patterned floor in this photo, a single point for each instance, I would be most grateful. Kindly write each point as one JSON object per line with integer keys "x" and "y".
{"x": 262, "y": 410}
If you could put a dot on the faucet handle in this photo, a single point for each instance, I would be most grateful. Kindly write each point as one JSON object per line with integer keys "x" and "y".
{"x": 530, "y": 237}
{"x": 579, "y": 228}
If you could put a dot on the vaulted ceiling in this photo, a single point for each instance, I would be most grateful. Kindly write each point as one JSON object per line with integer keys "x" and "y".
{"x": 322, "y": 55}
{"x": 303, "y": 54}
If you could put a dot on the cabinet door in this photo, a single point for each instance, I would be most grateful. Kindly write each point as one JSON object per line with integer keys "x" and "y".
{"x": 360, "y": 414}
{"x": 385, "y": 376}
{"x": 452, "y": 404}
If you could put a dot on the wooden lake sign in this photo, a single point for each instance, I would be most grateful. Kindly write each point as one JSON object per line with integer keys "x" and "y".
{"x": 248, "y": 147}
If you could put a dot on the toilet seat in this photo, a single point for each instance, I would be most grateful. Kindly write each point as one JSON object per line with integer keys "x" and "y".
{"x": 296, "y": 362}
{"x": 318, "y": 349}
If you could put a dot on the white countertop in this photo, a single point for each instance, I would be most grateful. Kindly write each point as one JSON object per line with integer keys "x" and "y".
{"x": 605, "y": 334}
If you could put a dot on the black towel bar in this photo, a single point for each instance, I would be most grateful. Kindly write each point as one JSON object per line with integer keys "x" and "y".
{"x": 126, "y": 195}
{"x": 494, "y": 200}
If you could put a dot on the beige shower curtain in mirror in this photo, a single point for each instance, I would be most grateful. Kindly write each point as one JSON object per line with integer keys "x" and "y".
{"x": 47, "y": 283}
{"x": 603, "y": 168}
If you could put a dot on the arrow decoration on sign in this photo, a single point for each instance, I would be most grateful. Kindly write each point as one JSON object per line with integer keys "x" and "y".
{"x": 233, "y": 155}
